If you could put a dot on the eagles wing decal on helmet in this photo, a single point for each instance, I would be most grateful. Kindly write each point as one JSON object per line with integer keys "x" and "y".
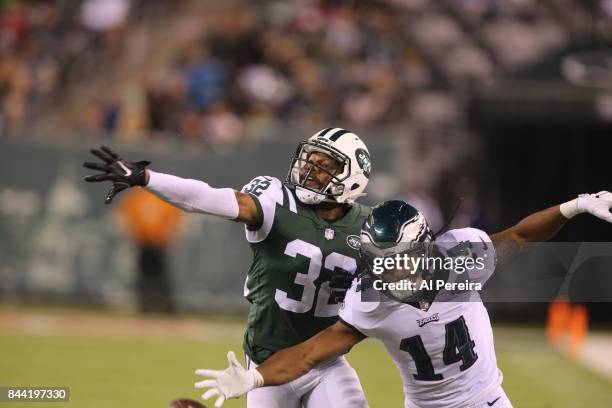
{"x": 414, "y": 230}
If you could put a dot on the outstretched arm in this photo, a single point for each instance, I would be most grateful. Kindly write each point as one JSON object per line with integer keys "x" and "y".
{"x": 197, "y": 196}
{"x": 293, "y": 362}
{"x": 543, "y": 225}
{"x": 284, "y": 366}
{"x": 189, "y": 195}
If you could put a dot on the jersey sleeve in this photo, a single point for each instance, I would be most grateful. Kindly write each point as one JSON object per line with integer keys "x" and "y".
{"x": 474, "y": 244}
{"x": 267, "y": 193}
{"x": 359, "y": 314}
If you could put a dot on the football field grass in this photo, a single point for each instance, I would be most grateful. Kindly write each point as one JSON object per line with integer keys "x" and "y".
{"x": 145, "y": 370}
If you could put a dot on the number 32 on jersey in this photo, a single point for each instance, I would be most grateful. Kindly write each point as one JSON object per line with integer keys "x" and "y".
{"x": 331, "y": 262}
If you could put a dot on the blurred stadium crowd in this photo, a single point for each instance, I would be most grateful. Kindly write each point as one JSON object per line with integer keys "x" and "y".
{"x": 223, "y": 74}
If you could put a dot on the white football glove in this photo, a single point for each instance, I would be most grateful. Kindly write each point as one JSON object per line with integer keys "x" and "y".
{"x": 232, "y": 382}
{"x": 596, "y": 204}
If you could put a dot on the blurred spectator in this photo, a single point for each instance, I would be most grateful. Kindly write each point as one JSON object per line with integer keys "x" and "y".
{"x": 261, "y": 83}
{"x": 222, "y": 127}
{"x": 204, "y": 77}
{"x": 152, "y": 225}
{"x": 165, "y": 100}
{"x": 103, "y": 15}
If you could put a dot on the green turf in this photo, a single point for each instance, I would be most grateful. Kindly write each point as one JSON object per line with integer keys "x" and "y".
{"x": 536, "y": 376}
{"x": 109, "y": 372}
{"x": 112, "y": 372}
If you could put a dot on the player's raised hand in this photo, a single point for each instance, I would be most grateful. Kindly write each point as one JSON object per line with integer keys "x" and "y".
{"x": 598, "y": 204}
{"x": 232, "y": 382}
{"x": 121, "y": 172}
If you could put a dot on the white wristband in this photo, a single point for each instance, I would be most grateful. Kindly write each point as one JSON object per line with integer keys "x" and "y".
{"x": 194, "y": 195}
{"x": 569, "y": 209}
{"x": 258, "y": 380}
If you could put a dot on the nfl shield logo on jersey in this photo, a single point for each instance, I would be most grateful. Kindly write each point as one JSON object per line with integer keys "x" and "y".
{"x": 329, "y": 234}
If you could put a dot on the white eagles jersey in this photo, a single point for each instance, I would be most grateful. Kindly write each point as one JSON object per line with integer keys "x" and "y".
{"x": 445, "y": 355}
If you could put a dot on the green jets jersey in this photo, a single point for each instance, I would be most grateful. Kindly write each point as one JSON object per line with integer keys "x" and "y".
{"x": 294, "y": 253}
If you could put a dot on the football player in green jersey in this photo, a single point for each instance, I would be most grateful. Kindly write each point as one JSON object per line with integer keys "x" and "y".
{"x": 304, "y": 235}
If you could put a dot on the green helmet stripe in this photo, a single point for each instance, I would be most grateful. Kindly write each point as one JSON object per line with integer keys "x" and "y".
{"x": 324, "y": 132}
{"x": 337, "y": 135}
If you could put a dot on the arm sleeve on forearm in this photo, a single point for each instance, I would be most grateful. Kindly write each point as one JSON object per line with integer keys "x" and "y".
{"x": 194, "y": 195}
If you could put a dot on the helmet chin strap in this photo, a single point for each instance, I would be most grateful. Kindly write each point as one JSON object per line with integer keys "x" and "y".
{"x": 312, "y": 198}
{"x": 309, "y": 197}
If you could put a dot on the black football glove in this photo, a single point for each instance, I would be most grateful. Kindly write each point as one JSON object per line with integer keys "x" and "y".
{"x": 341, "y": 281}
{"x": 121, "y": 172}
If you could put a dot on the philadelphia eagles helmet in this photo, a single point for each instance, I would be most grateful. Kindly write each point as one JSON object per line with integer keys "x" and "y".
{"x": 397, "y": 230}
{"x": 344, "y": 186}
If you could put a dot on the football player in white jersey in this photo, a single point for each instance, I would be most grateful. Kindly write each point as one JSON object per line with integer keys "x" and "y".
{"x": 440, "y": 339}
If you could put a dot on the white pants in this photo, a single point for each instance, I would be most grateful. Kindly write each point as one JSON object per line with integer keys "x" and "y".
{"x": 495, "y": 399}
{"x": 333, "y": 384}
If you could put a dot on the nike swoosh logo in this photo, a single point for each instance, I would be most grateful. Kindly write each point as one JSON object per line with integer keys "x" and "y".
{"x": 493, "y": 402}
{"x": 127, "y": 171}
